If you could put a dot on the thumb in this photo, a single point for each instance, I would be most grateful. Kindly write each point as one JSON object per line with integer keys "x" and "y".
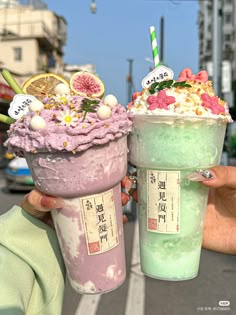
{"x": 36, "y": 203}
{"x": 215, "y": 177}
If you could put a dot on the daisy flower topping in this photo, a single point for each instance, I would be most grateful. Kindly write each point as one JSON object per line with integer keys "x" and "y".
{"x": 67, "y": 118}
{"x": 62, "y": 99}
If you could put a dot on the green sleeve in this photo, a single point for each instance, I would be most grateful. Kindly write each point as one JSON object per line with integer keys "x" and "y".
{"x": 16, "y": 283}
{"x": 32, "y": 271}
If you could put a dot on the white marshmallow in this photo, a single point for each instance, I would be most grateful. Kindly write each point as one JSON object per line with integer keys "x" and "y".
{"x": 104, "y": 112}
{"x": 35, "y": 106}
{"x": 110, "y": 100}
{"x": 37, "y": 123}
{"x": 62, "y": 88}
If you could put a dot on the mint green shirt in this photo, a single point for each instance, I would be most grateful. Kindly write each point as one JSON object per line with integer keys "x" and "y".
{"x": 32, "y": 272}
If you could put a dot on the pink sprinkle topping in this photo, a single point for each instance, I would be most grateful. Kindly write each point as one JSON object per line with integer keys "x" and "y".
{"x": 130, "y": 104}
{"x": 212, "y": 102}
{"x": 135, "y": 95}
{"x": 160, "y": 101}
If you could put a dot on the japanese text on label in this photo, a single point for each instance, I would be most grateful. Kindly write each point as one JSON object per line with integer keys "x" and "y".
{"x": 100, "y": 224}
{"x": 163, "y": 201}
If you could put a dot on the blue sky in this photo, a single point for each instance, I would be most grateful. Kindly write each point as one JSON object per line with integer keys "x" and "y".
{"x": 120, "y": 31}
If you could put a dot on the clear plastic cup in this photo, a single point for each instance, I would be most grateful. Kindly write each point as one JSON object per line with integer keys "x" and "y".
{"x": 171, "y": 208}
{"x": 90, "y": 225}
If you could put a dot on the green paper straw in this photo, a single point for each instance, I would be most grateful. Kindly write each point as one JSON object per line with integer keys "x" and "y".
{"x": 6, "y": 119}
{"x": 12, "y": 82}
{"x": 155, "y": 52}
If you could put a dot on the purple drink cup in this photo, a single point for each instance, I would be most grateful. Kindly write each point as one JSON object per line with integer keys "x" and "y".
{"x": 90, "y": 225}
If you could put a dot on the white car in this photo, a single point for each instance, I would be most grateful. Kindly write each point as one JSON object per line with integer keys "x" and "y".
{"x": 17, "y": 175}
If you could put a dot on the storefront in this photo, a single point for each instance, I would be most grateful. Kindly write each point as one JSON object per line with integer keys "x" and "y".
{"x": 6, "y": 95}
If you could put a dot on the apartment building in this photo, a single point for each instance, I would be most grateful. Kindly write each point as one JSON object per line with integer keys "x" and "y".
{"x": 227, "y": 46}
{"x": 31, "y": 38}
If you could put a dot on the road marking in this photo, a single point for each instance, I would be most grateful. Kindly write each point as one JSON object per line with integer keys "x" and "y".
{"x": 88, "y": 304}
{"x": 135, "y": 302}
{"x": 2, "y": 183}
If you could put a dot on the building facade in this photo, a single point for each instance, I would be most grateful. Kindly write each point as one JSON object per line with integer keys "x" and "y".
{"x": 227, "y": 44}
{"x": 31, "y": 39}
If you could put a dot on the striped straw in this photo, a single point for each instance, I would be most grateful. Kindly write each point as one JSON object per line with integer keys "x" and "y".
{"x": 155, "y": 52}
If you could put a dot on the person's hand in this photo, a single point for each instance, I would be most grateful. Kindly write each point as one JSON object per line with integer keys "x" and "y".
{"x": 220, "y": 222}
{"x": 40, "y": 205}
{"x": 128, "y": 183}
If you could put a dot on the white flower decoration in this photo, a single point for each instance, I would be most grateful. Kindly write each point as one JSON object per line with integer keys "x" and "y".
{"x": 62, "y": 99}
{"x": 67, "y": 118}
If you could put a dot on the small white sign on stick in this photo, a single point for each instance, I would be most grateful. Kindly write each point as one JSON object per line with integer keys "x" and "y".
{"x": 159, "y": 74}
{"x": 20, "y": 105}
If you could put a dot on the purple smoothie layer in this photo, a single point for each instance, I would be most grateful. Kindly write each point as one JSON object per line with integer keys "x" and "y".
{"x": 87, "y": 132}
{"x": 89, "y": 273}
{"x": 69, "y": 175}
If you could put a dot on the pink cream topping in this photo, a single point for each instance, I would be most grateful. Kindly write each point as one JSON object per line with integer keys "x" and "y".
{"x": 212, "y": 102}
{"x": 160, "y": 101}
{"x": 187, "y": 75}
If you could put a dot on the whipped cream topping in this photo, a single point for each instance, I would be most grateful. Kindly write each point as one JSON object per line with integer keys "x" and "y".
{"x": 67, "y": 127}
{"x": 191, "y": 95}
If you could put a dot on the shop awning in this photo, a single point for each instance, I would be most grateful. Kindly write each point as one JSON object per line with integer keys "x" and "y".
{"x": 6, "y": 93}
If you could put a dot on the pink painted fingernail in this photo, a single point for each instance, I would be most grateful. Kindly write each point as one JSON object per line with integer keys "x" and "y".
{"x": 128, "y": 184}
{"x": 59, "y": 203}
{"x": 201, "y": 175}
{"x": 51, "y": 202}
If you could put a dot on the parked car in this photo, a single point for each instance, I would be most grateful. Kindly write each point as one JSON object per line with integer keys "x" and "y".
{"x": 17, "y": 175}
{"x": 5, "y": 156}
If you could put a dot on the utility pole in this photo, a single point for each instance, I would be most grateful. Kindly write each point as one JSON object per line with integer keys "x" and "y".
{"x": 162, "y": 39}
{"x": 217, "y": 46}
{"x": 130, "y": 80}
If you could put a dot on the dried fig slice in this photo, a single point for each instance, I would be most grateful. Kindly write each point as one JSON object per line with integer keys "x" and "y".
{"x": 87, "y": 84}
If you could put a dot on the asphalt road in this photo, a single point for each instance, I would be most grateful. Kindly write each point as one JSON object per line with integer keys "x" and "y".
{"x": 141, "y": 295}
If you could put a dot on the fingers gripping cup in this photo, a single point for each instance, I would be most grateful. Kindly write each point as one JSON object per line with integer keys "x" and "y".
{"x": 75, "y": 143}
{"x": 167, "y": 143}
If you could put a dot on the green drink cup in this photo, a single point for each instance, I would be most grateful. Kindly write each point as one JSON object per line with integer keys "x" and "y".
{"x": 171, "y": 208}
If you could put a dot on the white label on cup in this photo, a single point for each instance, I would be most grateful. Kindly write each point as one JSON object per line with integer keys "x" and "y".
{"x": 163, "y": 201}
{"x": 100, "y": 224}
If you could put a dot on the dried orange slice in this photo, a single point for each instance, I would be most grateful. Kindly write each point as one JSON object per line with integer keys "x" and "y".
{"x": 43, "y": 84}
